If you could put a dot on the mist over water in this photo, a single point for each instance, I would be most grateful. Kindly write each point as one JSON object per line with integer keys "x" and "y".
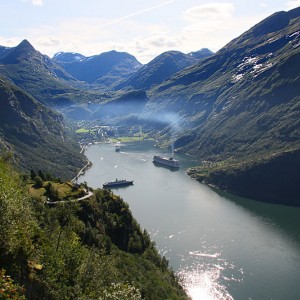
{"x": 223, "y": 247}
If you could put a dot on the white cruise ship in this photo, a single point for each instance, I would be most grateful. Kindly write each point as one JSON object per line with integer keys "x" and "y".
{"x": 166, "y": 161}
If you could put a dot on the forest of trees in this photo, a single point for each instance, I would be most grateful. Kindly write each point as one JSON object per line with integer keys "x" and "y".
{"x": 93, "y": 249}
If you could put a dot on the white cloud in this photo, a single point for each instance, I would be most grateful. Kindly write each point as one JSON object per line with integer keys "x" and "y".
{"x": 9, "y": 42}
{"x": 213, "y": 10}
{"x": 213, "y": 25}
{"x": 162, "y": 41}
{"x": 146, "y": 48}
{"x": 35, "y": 2}
{"x": 143, "y": 40}
{"x": 293, "y": 4}
{"x": 263, "y": 4}
{"x": 87, "y": 36}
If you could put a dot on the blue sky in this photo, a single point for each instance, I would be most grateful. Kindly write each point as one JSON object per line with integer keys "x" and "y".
{"x": 144, "y": 29}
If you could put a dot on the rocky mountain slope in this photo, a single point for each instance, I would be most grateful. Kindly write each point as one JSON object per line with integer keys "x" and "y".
{"x": 160, "y": 68}
{"x": 4, "y": 51}
{"x": 245, "y": 98}
{"x": 36, "y": 134}
{"x": 125, "y": 105}
{"x": 103, "y": 69}
{"x": 239, "y": 111}
{"x": 70, "y": 81}
{"x": 38, "y": 75}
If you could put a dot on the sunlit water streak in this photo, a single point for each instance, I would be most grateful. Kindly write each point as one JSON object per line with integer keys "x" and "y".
{"x": 205, "y": 274}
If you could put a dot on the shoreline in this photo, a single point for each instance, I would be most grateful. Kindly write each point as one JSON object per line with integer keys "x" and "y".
{"x": 82, "y": 171}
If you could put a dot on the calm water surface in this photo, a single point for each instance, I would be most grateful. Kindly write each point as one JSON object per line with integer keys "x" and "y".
{"x": 224, "y": 247}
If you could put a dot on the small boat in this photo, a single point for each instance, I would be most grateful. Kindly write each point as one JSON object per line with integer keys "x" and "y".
{"x": 169, "y": 162}
{"x": 117, "y": 183}
{"x": 118, "y": 146}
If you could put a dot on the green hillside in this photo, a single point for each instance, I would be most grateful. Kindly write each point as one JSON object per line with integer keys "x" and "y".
{"x": 241, "y": 104}
{"x": 93, "y": 249}
{"x": 36, "y": 135}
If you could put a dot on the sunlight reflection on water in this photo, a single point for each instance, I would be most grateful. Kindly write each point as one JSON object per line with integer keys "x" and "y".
{"x": 204, "y": 285}
{"x": 204, "y": 273}
{"x": 205, "y": 278}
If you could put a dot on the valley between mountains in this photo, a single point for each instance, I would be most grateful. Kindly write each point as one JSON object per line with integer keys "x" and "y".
{"x": 237, "y": 110}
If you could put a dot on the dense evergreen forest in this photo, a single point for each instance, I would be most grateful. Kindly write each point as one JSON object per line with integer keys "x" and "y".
{"x": 92, "y": 249}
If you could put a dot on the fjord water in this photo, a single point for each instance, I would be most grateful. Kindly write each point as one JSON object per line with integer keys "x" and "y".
{"x": 223, "y": 247}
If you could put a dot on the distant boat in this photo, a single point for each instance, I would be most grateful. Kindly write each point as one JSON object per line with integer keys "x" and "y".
{"x": 166, "y": 161}
{"x": 118, "y": 146}
{"x": 117, "y": 183}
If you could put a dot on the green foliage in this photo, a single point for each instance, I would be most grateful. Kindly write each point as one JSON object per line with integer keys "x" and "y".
{"x": 32, "y": 174}
{"x": 8, "y": 289}
{"x": 88, "y": 250}
{"x": 38, "y": 182}
{"x": 121, "y": 291}
{"x": 51, "y": 192}
{"x": 18, "y": 228}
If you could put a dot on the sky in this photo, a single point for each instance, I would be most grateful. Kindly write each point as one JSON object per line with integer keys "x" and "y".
{"x": 142, "y": 28}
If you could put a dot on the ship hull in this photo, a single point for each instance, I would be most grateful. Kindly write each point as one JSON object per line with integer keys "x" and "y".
{"x": 117, "y": 184}
{"x": 166, "y": 162}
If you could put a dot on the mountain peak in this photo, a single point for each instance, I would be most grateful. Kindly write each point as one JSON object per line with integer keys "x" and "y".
{"x": 26, "y": 47}
{"x": 23, "y": 50}
{"x": 159, "y": 69}
{"x": 202, "y": 53}
{"x": 25, "y": 44}
{"x": 68, "y": 57}
{"x": 93, "y": 68}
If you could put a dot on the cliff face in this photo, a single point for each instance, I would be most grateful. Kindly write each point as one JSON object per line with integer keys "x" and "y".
{"x": 36, "y": 134}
